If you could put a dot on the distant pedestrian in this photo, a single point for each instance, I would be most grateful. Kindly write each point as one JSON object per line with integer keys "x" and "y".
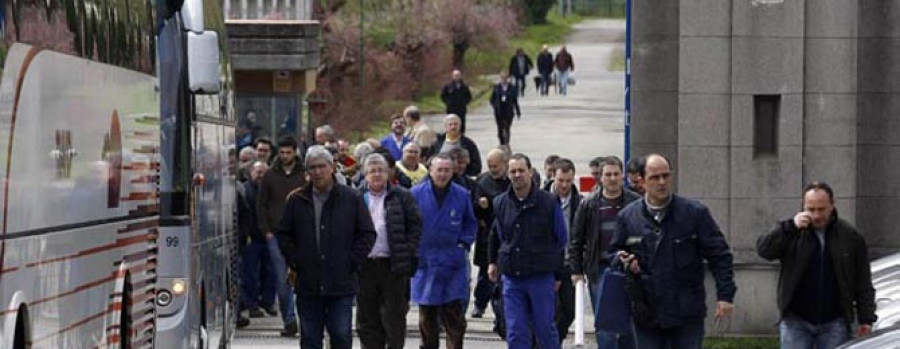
{"x": 396, "y": 140}
{"x": 519, "y": 67}
{"x": 246, "y": 158}
{"x": 383, "y": 300}
{"x": 456, "y": 97}
{"x": 597, "y": 172}
{"x": 326, "y": 233}
{"x": 265, "y": 150}
{"x": 505, "y": 101}
{"x": 664, "y": 239}
{"x": 545, "y": 68}
{"x": 565, "y": 65}
{"x": 254, "y": 252}
{"x": 440, "y": 285}
{"x": 825, "y": 284}
{"x": 527, "y": 248}
{"x": 452, "y": 139}
{"x": 419, "y": 131}
{"x": 591, "y": 238}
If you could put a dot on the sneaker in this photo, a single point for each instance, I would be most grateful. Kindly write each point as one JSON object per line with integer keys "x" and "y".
{"x": 256, "y": 313}
{"x": 271, "y": 310}
{"x": 478, "y": 313}
{"x": 290, "y": 329}
{"x": 242, "y": 322}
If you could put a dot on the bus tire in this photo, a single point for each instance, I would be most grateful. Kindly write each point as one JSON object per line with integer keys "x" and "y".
{"x": 125, "y": 318}
{"x": 21, "y": 339}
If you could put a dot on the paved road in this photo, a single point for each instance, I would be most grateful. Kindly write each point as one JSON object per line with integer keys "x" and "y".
{"x": 585, "y": 124}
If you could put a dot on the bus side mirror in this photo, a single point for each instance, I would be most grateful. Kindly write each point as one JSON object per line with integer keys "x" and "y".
{"x": 203, "y": 62}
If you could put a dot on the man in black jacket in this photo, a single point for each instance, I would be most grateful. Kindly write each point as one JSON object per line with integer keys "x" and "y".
{"x": 592, "y": 230}
{"x": 825, "y": 278}
{"x": 505, "y": 101}
{"x": 487, "y": 186}
{"x": 519, "y": 67}
{"x": 456, "y": 97}
{"x": 383, "y": 299}
{"x": 326, "y": 234}
{"x": 545, "y": 68}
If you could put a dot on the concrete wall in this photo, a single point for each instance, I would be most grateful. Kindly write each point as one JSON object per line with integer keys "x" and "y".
{"x": 836, "y": 65}
{"x": 878, "y": 133}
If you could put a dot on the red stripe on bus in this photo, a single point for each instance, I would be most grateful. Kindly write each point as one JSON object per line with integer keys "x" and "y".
{"x": 103, "y": 248}
{"x": 112, "y": 276}
{"x": 71, "y": 327}
{"x": 26, "y": 63}
{"x": 153, "y": 223}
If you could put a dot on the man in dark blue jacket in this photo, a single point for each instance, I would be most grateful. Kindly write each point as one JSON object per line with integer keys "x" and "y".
{"x": 505, "y": 101}
{"x": 527, "y": 247}
{"x": 664, "y": 239}
{"x": 325, "y": 235}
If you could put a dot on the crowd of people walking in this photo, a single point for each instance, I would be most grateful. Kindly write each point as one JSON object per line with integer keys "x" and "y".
{"x": 403, "y": 219}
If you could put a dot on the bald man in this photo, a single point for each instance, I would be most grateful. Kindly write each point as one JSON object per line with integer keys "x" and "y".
{"x": 667, "y": 237}
{"x": 487, "y": 186}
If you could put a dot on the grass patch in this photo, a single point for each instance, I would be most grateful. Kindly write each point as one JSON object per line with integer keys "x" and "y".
{"x": 740, "y": 343}
{"x": 617, "y": 60}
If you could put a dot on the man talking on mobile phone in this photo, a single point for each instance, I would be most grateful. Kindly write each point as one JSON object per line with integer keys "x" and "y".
{"x": 825, "y": 276}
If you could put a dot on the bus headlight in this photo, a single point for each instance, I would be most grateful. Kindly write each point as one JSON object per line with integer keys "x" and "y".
{"x": 178, "y": 287}
{"x": 163, "y": 298}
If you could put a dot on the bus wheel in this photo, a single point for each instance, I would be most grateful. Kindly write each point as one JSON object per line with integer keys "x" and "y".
{"x": 20, "y": 341}
{"x": 125, "y": 320}
{"x": 204, "y": 340}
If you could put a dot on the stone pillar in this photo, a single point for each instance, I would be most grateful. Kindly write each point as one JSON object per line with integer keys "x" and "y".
{"x": 654, "y": 95}
{"x": 878, "y": 133}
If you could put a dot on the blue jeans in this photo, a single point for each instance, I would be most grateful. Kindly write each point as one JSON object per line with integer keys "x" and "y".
{"x": 252, "y": 256}
{"x": 687, "y": 336}
{"x": 799, "y": 334}
{"x": 279, "y": 274}
{"x": 319, "y": 313}
{"x": 562, "y": 79}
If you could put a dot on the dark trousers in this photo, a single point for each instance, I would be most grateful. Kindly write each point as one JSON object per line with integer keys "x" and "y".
{"x": 545, "y": 83}
{"x": 462, "y": 120}
{"x": 503, "y": 128}
{"x": 688, "y": 336}
{"x": 252, "y": 256}
{"x": 520, "y": 83}
{"x": 318, "y": 313}
{"x": 382, "y": 305}
{"x": 484, "y": 288}
{"x": 565, "y": 307}
{"x": 452, "y": 317}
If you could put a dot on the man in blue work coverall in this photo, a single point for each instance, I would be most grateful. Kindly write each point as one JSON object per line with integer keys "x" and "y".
{"x": 441, "y": 283}
{"x": 527, "y": 247}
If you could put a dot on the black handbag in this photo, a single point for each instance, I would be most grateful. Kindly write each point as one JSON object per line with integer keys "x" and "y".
{"x": 642, "y": 309}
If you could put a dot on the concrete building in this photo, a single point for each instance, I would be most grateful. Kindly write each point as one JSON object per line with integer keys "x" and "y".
{"x": 274, "y": 48}
{"x": 753, "y": 99}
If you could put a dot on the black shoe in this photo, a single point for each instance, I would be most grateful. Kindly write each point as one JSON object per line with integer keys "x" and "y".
{"x": 478, "y": 313}
{"x": 242, "y": 322}
{"x": 271, "y": 310}
{"x": 256, "y": 313}
{"x": 290, "y": 330}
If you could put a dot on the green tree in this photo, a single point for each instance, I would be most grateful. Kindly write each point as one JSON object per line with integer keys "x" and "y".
{"x": 536, "y": 10}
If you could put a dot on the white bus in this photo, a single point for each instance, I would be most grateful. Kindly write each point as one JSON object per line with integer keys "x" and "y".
{"x": 116, "y": 194}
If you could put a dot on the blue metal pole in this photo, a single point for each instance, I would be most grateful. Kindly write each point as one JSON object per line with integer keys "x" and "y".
{"x": 627, "y": 154}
